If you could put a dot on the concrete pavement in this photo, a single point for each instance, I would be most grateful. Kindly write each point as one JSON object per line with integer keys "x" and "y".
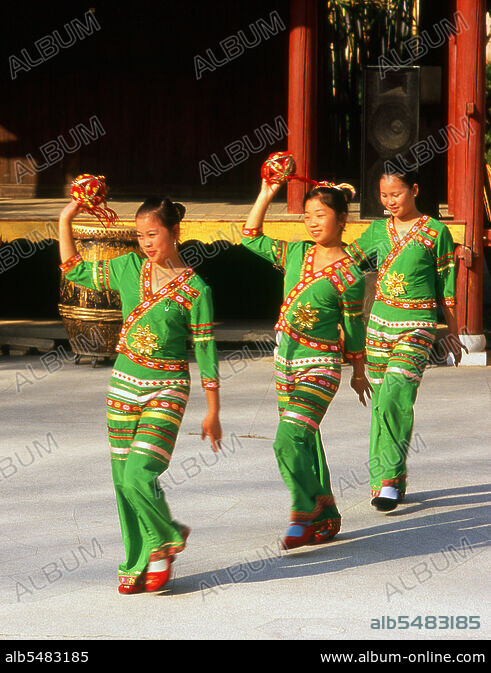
{"x": 60, "y": 542}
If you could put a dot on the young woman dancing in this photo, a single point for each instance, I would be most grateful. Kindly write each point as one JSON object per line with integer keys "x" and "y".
{"x": 323, "y": 288}
{"x": 414, "y": 255}
{"x": 163, "y": 303}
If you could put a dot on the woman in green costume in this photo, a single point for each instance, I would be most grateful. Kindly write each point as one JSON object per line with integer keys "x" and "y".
{"x": 414, "y": 256}
{"x": 164, "y": 303}
{"x": 323, "y": 288}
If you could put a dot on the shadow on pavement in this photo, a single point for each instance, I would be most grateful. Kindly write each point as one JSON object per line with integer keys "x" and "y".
{"x": 445, "y": 539}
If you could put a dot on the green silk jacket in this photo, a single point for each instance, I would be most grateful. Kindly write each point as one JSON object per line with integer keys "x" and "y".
{"x": 415, "y": 273}
{"x": 314, "y": 304}
{"x": 156, "y": 326}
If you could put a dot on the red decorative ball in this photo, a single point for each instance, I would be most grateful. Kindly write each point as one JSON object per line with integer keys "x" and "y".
{"x": 278, "y": 167}
{"x": 89, "y": 190}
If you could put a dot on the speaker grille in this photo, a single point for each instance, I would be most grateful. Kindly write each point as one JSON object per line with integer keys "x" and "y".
{"x": 390, "y": 127}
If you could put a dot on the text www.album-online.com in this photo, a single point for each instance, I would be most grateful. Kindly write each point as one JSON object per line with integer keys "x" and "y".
{"x": 371, "y": 657}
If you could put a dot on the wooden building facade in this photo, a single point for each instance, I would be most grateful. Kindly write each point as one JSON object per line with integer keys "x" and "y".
{"x": 188, "y": 99}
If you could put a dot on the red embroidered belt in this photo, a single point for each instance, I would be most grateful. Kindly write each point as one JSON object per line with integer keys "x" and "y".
{"x": 408, "y": 304}
{"x": 160, "y": 365}
{"x": 282, "y": 326}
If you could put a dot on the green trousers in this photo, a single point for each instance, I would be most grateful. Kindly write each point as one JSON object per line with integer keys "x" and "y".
{"x": 396, "y": 362}
{"x": 143, "y": 422}
{"x": 149, "y": 533}
{"x": 303, "y": 399}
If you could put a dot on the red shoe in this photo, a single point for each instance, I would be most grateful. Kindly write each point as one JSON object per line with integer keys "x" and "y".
{"x": 326, "y": 532}
{"x": 137, "y": 588}
{"x": 298, "y": 534}
{"x": 154, "y": 581}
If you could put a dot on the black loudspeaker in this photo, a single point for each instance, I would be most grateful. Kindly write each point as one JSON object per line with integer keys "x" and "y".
{"x": 391, "y": 102}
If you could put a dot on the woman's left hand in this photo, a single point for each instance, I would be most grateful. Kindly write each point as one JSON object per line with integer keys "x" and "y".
{"x": 451, "y": 343}
{"x": 454, "y": 346}
{"x": 362, "y": 387}
{"x": 212, "y": 429}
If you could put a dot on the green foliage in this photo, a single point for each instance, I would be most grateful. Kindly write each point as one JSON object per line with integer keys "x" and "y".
{"x": 370, "y": 28}
{"x": 356, "y": 33}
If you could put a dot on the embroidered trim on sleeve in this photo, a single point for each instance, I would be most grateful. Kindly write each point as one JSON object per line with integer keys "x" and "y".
{"x": 352, "y": 309}
{"x": 252, "y": 233}
{"x": 209, "y": 384}
{"x": 445, "y": 263}
{"x": 202, "y": 332}
{"x": 100, "y": 275}
{"x": 356, "y": 252}
{"x": 71, "y": 263}
{"x": 279, "y": 249}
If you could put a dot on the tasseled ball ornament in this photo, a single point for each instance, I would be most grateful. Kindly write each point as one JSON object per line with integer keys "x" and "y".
{"x": 281, "y": 167}
{"x": 91, "y": 192}
{"x": 278, "y": 167}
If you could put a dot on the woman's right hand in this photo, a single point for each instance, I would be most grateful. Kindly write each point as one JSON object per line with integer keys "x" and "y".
{"x": 71, "y": 210}
{"x": 269, "y": 190}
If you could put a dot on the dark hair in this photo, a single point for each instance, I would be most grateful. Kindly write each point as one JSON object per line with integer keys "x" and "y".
{"x": 169, "y": 213}
{"x": 409, "y": 178}
{"x": 335, "y": 198}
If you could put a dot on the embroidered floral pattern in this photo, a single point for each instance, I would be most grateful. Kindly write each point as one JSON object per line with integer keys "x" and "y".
{"x": 144, "y": 342}
{"x": 305, "y": 316}
{"x": 395, "y": 284}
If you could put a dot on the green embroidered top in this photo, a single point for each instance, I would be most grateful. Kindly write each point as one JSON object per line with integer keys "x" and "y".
{"x": 415, "y": 273}
{"x": 156, "y": 325}
{"x": 314, "y": 303}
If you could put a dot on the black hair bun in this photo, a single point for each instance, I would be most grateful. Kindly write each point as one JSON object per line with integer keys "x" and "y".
{"x": 181, "y": 210}
{"x": 349, "y": 194}
{"x": 174, "y": 211}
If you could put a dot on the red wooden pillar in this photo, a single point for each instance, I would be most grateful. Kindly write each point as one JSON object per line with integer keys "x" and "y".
{"x": 469, "y": 163}
{"x": 302, "y": 96}
{"x": 452, "y": 69}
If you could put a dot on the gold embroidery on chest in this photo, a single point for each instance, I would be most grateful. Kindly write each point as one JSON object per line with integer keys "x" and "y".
{"x": 144, "y": 342}
{"x": 305, "y": 316}
{"x": 395, "y": 284}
